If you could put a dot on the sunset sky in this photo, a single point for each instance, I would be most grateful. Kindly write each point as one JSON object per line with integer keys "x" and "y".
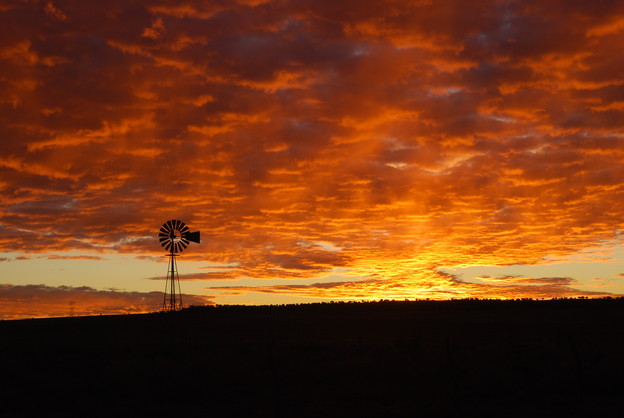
{"x": 326, "y": 150}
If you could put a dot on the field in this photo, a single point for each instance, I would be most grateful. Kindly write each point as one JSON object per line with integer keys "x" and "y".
{"x": 382, "y": 359}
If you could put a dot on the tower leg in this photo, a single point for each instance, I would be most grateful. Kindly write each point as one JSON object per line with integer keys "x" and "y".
{"x": 177, "y": 281}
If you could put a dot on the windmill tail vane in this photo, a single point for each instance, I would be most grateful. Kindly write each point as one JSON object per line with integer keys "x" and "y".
{"x": 174, "y": 236}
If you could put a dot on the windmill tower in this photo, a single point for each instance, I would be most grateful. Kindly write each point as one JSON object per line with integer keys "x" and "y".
{"x": 174, "y": 236}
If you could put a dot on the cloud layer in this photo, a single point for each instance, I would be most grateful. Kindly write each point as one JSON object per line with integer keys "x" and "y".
{"x": 381, "y": 139}
{"x": 33, "y": 301}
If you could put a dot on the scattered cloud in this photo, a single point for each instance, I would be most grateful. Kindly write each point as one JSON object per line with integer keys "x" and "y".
{"x": 73, "y": 257}
{"x": 444, "y": 286}
{"x": 48, "y": 301}
{"x": 405, "y": 136}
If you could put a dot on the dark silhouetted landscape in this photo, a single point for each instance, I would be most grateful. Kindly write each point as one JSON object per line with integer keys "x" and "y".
{"x": 379, "y": 359}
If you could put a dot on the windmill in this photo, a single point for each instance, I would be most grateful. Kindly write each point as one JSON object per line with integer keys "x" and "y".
{"x": 174, "y": 236}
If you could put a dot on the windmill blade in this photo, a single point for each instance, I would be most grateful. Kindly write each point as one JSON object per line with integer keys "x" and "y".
{"x": 182, "y": 245}
{"x": 183, "y": 228}
{"x": 179, "y": 247}
{"x": 163, "y": 234}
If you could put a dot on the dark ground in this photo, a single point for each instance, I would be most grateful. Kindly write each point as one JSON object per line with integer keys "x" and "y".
{"x": 383, "y": 359}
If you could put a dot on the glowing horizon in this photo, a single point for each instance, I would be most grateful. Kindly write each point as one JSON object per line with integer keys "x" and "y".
{"x": 326, "y": 151}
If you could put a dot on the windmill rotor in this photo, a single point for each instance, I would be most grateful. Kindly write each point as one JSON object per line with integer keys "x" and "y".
{"x": 175, "y": 236}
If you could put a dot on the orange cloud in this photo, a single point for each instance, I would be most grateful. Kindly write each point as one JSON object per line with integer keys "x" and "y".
{"x": 379, "y": 140}
{"x": 436, "y": 287}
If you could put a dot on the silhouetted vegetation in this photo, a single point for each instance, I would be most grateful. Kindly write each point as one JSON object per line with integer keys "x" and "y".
{"x": 377, "y": 359}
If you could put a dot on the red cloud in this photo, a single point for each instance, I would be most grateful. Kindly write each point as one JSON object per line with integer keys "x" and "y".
{"x": 45, "y": 301}
{"x": 406, "y": 135}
